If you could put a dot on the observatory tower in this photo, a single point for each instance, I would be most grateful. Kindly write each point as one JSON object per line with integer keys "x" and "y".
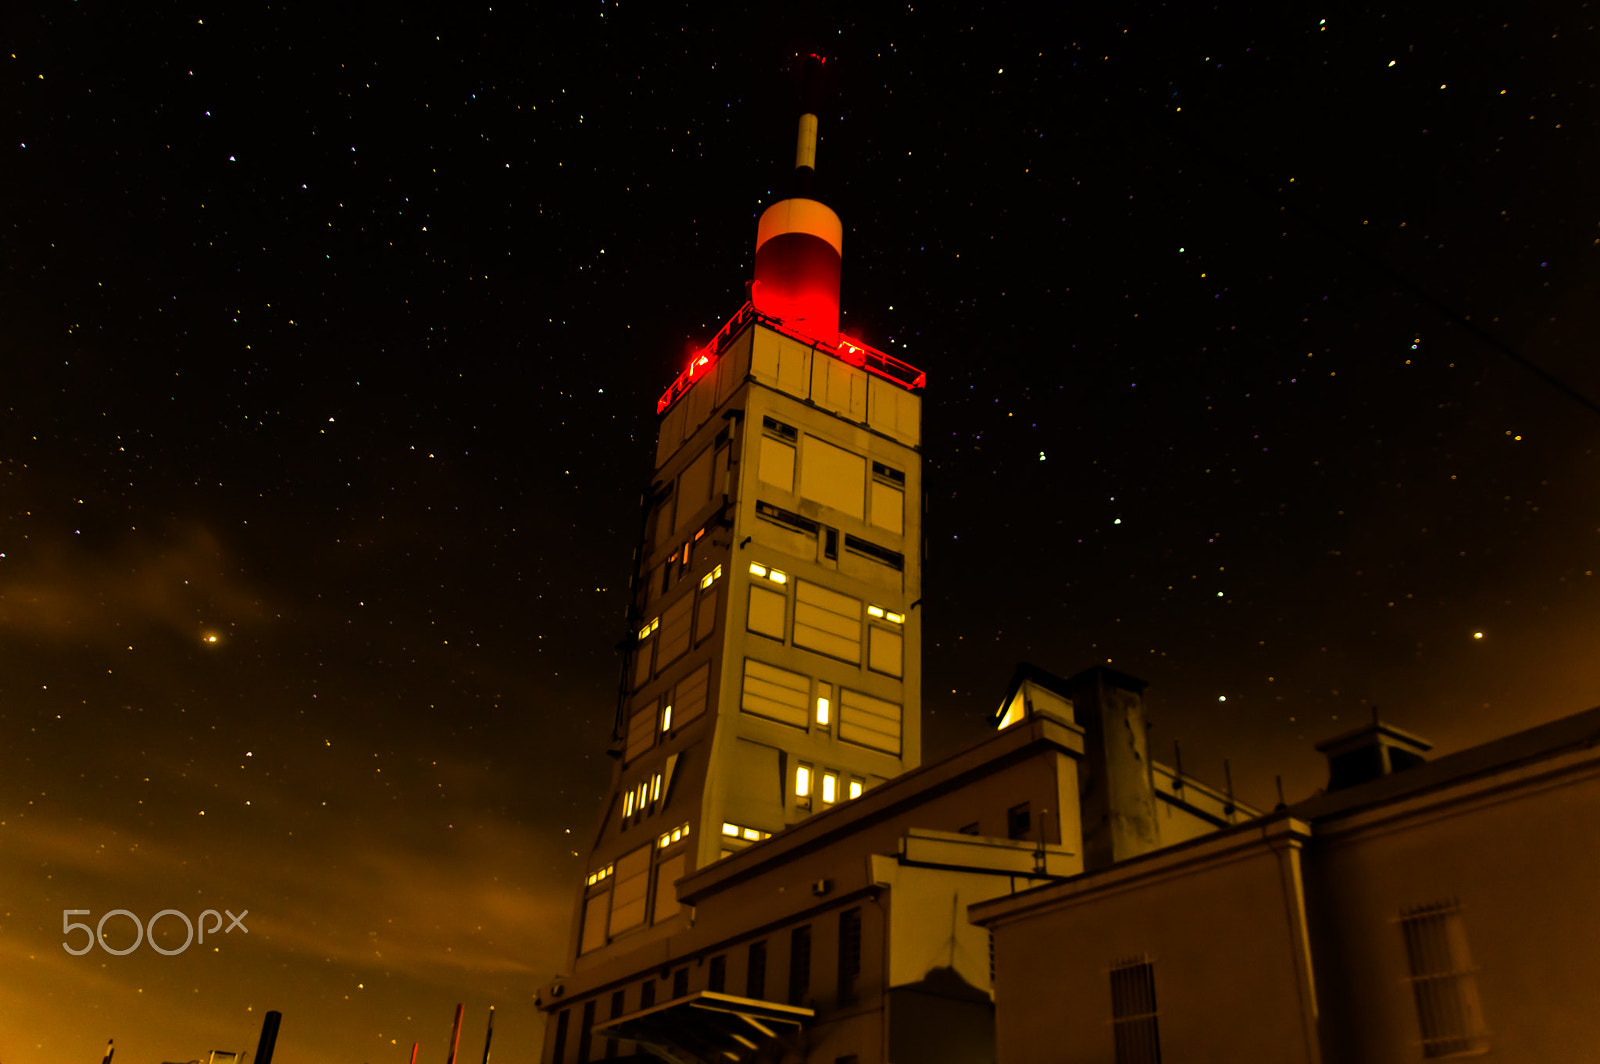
{"x": 774, "y": 648}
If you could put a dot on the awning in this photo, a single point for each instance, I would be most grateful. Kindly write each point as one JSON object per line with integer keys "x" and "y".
{"x": 706, "y": 1027}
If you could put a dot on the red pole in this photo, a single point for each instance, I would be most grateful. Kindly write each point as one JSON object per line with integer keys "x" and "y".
{"x": 413, "y": 1053}
{"x": 455, "y": 1035}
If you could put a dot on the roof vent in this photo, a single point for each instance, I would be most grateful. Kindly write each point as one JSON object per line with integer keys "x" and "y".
{"x": 1370, "y": 752}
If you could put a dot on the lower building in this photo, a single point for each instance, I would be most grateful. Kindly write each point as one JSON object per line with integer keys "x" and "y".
{"x": 1414, "y": 911}
{"x": 845, "y": 936}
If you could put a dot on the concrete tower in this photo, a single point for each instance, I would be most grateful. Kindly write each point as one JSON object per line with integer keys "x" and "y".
{"x": 774, "y": 657}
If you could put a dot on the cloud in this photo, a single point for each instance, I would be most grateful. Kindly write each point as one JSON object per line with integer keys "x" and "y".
{"x": 64, "y": 592}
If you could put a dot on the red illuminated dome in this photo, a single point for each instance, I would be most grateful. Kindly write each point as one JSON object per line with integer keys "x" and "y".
{"x": 798, "y": 247}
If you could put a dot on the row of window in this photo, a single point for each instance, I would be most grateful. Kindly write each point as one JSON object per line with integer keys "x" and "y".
{"x": 831, "y": 476}
{"x": 792, "y": 698}
{"x": 825, "y": 622}
{"x": 1439, "y": 968}
{"x": 635, "y": 890}
{"x": 798, "y": 989}
{"x": 681, "y": 705}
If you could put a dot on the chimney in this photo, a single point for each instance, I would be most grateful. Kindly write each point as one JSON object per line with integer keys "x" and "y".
{"x": 1370, "y": 752}
{"x": 1116, "y": 794}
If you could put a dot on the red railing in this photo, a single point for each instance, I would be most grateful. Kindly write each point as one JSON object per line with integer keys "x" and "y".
{"x": 855, "y": 352}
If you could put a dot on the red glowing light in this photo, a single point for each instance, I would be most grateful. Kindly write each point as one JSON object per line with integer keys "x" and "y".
{"x": 854, "y": 352}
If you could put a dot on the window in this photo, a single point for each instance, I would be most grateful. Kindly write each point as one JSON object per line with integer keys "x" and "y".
{"x": 776, "y": 694}
{"x": 641, "y": 730}
{"x": 779, "y": 429}
{"x": 888, "y": 506}
{"x": 1019, "y": 821}
{"x": 717, "y": 975}
{"x": 766, "y": 613}
{"x": 885, "y": 651}
{"x": 855, "y": 788}
{"x": 802, "y": 786}
{"x": 849, "y": 954}
{"x": 776, "y": 465}
{"x": 586, "y": 1032}
{"x": 892, "y": 558}
{"x": 558, "y": 1049}
{"x": 755, "y": 982}
{"x": 680, "y": 982}
{"x": 707, "y": 613}
{"x": 1133, "y": 1012}
{"x": 594, "y": 922}
{"x": 647, "y": 994}
{"x": 1443, "y": 980}
{"x": 824, "y": 692}
{"x": 616, "y": 1010}
{"x": 834, "y": 477}
{"x": 628, "y": 895}
{"x": 694, "y": 488}
{"x": 827, "y": 621}
{"x": 690, "y": 701}
{"x": 674, "y": 631}
{"x": 830, "y": 787}
{"x": 799, "y": 964}
{"x": 868, "y": 721}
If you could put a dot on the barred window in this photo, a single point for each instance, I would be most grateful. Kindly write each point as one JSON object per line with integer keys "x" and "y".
{"x": 1133, "y": 1012}
{"x": 1443, "y": 980}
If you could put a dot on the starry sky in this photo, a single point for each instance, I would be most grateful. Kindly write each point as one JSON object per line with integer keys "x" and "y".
{"x": 1259, "y": 348}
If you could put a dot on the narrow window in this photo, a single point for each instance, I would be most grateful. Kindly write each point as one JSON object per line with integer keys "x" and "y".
{"x": 830, "y": 544}
{"x": 799, "y": 964}
{"x": 1019, "y": 820}
{"x": 849, "y": 954}
{"x": 558, "y": 1049}
{"x": 680, "y": 983}
{"x": 616, "y": 1010}
{"x": 802, "y": 786}
{"x": 824, "y": 694}
{"x": 717, "y": 977}
{"x": 1443, "y": 980}
{"x": 855, "y": 788}
{"x": 1133, "y": 1012}
{"x": 830, "y": 787}
{"x": 647, "y": 994}
{"x": 755, "y": 982}
{"x": 586, "y": 1032}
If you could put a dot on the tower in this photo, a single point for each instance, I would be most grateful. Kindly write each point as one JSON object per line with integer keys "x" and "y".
{"x": 773, "y": 660}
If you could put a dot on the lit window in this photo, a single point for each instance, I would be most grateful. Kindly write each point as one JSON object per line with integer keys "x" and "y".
{"x": 655, "y": 786}
{"x": 665, "y": 840}
{"x": 751, "y": 833}
{"x": 776, "y": 577}
{"x": 739, "y": 831}
{"x": 830, "y": 784}
{"x": 627, "y": 804}
{"x": 757, "y": 569}
{"x": 730, "y": 830}
{"x": 855, "y": 788}
{"x": 641, "y": 793}
{"x": 644, "y": 633}
{"x": 896, "y": 618}
{"x": 698, "y": 534}
{"x": 710, "y": 578}
{"x": 802, "y": 780}
{"x": 666, "y": 719}
{"x": 822, "y": 710}
{"x": 875, "y": 611}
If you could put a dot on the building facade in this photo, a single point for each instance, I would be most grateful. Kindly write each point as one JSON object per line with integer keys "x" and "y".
{"x": 1414, "y": 911}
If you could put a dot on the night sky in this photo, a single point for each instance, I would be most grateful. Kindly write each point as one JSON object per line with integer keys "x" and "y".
{"x": 1260, "y": 356}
